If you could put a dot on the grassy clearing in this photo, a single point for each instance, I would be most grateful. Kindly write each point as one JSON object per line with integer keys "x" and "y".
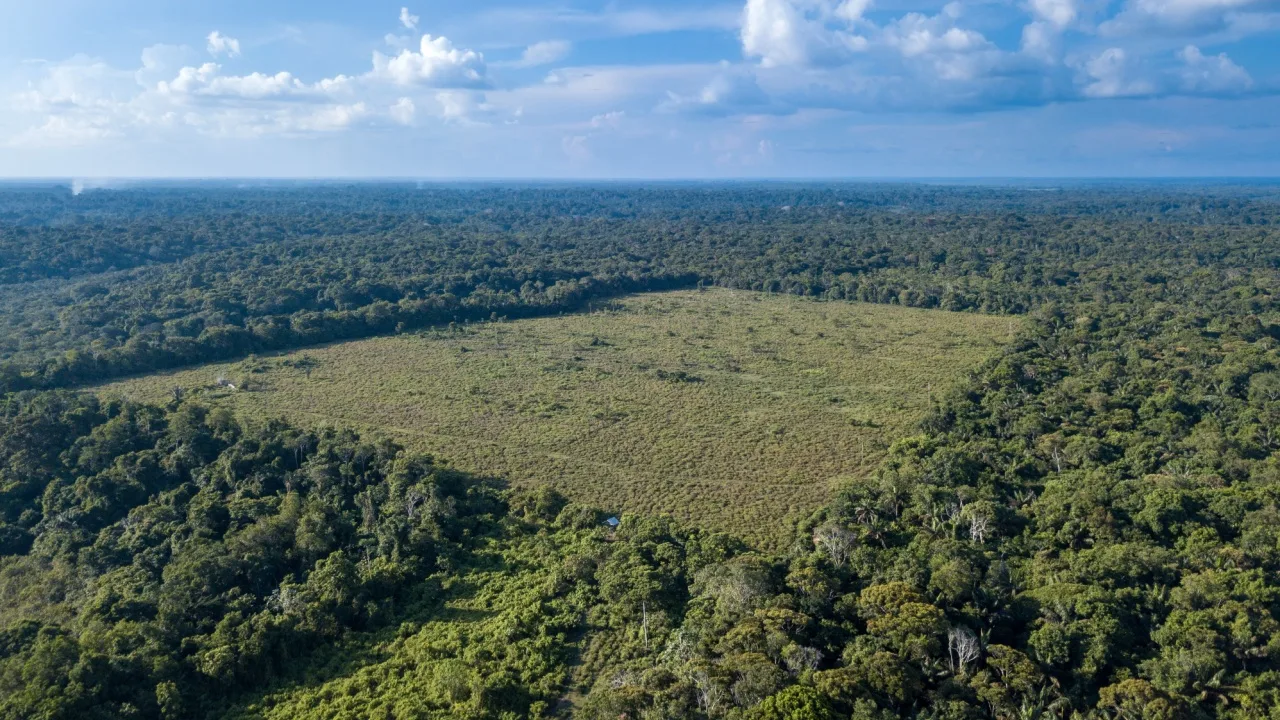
{"x": 731, "y": 409}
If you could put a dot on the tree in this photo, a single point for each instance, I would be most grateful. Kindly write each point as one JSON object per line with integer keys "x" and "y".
{"x": 797, "y": 702}
{"x": 897, "y": 613}
{"x": 836, "y": 541}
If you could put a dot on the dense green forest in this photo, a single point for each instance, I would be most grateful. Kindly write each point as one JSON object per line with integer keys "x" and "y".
{"x": 113, "y": 283}
{"x": 1086, "y": 527}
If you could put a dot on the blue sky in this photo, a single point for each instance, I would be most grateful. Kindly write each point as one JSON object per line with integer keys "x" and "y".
{"x": 643, "y": 89}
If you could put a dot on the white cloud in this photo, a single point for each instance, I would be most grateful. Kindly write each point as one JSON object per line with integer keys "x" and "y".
{"x": 403, "y": 111}
{"x": 1058, "y": 13}
{"x": 821, "y": 57}
{"x": 585, "y": 91}
{"x": 1042, "y": 37}
{"x": 940, "y": 48}
{"x": 1187, "y": 8}
{"x": 1141, "y": 17}
{"x": 827, "y": 33}
{"x": 461, "y": 106}
{"x": 802, "y": 32}
{"x": 915, "y": 34}
{"x": 160, "y": 62}
{"x": 1113, "y": 74}
{"x": 731, "y": 91}
{"x": 330, "y": 118}
{"x": 84, "y": 100}
{"x": 772, "y": 30}
{"x": 1244, "y": 24}
{"x": 1211, "y": 74}
{"x": 77, "y": 102}
{"x": 257, "y": 121}
{"x": 220, "y": 44}
{"x": 851, "y": 11}
{"x": 206, "y": 81}
{"x": 63, "y": 131}
{"x": 543, "y": 53}
{"x": 436, "y": 64}
{"x": 408, "y": 20}
{"x": 1040, "y": 40}
{"x": 608, "y": 120}
{"x": 79, "y": 82}
{"x": 1108, "y": 76}
{"x": 190, "y": 80}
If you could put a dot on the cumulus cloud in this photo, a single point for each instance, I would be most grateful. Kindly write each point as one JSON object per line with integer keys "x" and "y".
{"x": 1058, "y": 13}
{"x": 408, "y": 20}
{"x": 827, "y": 33}
{"x": 543, "y": 53}
{"x": 1114, "y": 74}
{"x": 828, "y": 54}
{"x": 1108, "y": 76}
{"x": 220, "y": 44}
{"x": 84, "y": 100}
{"x": 206, "y": 80}
{"x": 915, "y": 34}
{"x": 799, "y": 58}
{"x": 437, "y": 63}
{"x": 1211, "y": 74}
{"x": 802, "y": 32}
{"x": 937, "y": 43}
{"x": 1041, "y": 38}
{"x": 331, "y": 118}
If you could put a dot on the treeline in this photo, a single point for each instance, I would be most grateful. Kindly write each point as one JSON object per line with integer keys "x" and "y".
{"x": 150, "y": 351}
{"x": 286, "y": 268}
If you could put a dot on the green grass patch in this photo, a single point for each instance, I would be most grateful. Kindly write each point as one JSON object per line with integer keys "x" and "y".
{"x": 734, "y": 410}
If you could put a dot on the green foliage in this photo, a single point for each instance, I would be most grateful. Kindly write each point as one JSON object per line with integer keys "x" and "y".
{"x": 795, "y": 703}
{"x": 206, "y": 555}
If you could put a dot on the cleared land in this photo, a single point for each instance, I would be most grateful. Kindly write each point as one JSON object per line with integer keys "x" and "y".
{"x": 734, "y": 410}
